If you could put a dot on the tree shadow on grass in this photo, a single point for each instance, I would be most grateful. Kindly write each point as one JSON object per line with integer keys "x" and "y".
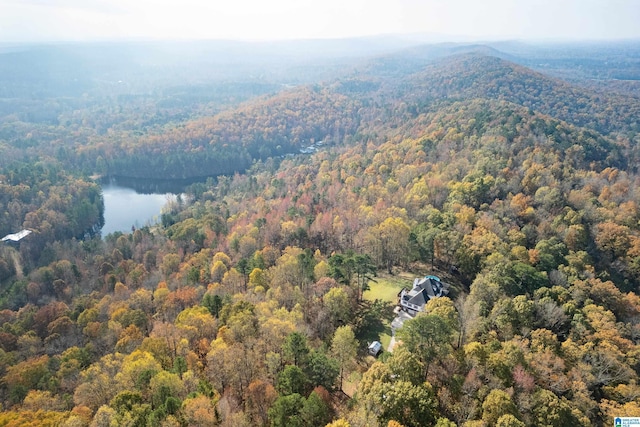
{"x": 372, "y": 320}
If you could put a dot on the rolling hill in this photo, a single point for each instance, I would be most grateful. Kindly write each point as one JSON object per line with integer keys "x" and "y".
{"x": 244, "y": 305}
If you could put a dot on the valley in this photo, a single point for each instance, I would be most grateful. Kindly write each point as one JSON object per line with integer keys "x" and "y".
{"x": 508, "y": 170}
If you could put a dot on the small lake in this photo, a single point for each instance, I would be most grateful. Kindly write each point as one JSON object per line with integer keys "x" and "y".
{"x": 138, "y": 202}
{"x": 125, "y": 207}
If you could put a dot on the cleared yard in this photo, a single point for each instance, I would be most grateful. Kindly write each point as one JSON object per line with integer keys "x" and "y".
{"x": 386, "y": 288}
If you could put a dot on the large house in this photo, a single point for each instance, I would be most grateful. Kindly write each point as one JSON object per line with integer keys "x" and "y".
{"x": 414, "y": 300}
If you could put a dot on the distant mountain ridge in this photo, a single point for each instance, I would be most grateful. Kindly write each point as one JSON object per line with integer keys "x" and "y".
{"x": 365, "y": 98}
{"x": 479, "y": 76}
{"x": 346, "y": 108}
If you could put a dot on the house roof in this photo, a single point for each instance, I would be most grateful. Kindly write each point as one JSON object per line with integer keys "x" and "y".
{"x": 423, "y": 290}
{"x": 17, "y": 236}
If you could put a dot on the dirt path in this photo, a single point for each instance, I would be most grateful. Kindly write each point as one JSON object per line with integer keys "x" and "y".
{"x": 17, "y": 264}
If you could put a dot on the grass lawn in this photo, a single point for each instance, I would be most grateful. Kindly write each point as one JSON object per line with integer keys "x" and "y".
{"x": 386, "y": 288}
{"x": 385, "y": 338}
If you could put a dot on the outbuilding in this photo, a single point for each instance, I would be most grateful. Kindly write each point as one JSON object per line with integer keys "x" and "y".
{"x": 375, "y": 348}
{"x": 16, "y": 237}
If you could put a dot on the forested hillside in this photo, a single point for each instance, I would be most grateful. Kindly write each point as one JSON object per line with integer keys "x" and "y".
{"x": 253, "y": 301}
{"x": 490, "y": 77}
{"x": 230, "y": 141}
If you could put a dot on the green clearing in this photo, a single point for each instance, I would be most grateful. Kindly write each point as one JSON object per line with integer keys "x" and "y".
{"x": 385, "y": 288}
{"x": 385, "y": 338}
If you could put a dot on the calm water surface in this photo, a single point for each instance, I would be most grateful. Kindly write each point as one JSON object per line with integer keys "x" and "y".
{"x": 124, "y": 208}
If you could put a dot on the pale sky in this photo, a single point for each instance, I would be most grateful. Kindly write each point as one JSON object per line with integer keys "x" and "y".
{"x": 84, "y": 20}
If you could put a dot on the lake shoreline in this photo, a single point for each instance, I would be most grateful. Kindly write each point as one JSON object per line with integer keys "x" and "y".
{"x": 126, "y": 209}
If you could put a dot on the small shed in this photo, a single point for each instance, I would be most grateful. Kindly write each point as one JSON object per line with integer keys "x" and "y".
{"x": 375, "y": 348}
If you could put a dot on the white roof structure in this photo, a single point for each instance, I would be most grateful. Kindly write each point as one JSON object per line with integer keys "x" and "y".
{"x": 374, "y": 348}
{"x": 17, "y": 236}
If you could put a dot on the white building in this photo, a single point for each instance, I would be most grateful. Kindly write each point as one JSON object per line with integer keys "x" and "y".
{"x": 375, "y": 348}
{"x": 16, "y": 237}
{"x": 414, "y": 300}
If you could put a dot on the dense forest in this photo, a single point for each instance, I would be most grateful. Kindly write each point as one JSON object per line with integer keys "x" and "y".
{"x": 253, "y": 301}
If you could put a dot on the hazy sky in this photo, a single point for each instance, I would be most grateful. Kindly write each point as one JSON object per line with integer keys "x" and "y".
{"x": 39, "y": 20}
